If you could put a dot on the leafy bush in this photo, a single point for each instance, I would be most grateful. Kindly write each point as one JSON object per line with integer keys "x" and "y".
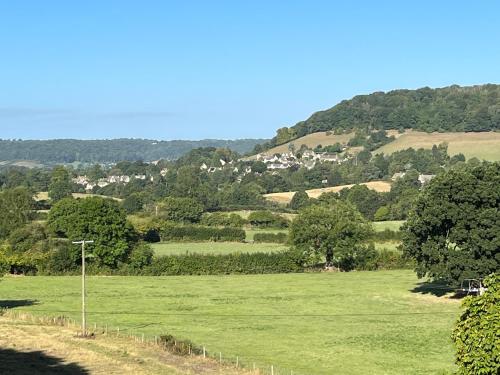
{"x": 219, "y": 219}
{"x": 202, "y": 264}
{"x": 270, "y": 237}
{"x": 179, "y": 347}
{"x": 141, "y": 256}
{"x": 266, "y": 219}
{"x": 477, "y": 332}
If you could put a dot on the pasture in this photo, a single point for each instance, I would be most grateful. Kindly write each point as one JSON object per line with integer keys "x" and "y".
{"x": 213, "y": 248}
{"x": 286, "y": 197}
{"x": 394, "y": 225}
{"x": 482, "y": 145}
{"x": 313, "y": 323}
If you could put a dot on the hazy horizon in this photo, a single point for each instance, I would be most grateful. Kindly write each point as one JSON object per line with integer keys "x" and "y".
{"x": 224, "y": 70}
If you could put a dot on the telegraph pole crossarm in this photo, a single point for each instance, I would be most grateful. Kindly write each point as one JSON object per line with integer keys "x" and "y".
{"x": 84, "y": 325}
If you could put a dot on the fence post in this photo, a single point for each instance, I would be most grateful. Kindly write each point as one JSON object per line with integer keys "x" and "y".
{"x": 204, "y": 353}
{"x": 237, "y": 361}
{"x": 272, "y": 370}
{"x": 220, "y": 358}
{"x": 143, "y": 337}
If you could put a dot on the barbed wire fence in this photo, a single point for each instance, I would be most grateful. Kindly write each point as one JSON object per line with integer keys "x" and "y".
{"x": 178, "y": 347}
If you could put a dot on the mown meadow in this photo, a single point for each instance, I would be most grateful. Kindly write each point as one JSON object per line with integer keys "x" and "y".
{"x": 380, "y": 322}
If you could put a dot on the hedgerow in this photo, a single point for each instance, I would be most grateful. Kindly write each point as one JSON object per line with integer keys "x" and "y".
{"x": 477, "y": 332}
{"x": 270, "y": 237}
{"x": 202, "y": 264}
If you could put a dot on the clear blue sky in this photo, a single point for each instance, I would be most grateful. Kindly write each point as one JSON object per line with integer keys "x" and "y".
{"x": 224, "y": 69}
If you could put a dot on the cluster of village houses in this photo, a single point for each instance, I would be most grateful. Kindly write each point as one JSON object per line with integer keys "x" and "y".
{"x": 103, "y": 182}
{"x": 275, "y": 162}
{"x": 308, "y": 159}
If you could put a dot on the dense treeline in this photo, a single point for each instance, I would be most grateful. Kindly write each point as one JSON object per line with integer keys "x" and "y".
{"x": 110, "y": 151}
{"x": 452, "y": 109}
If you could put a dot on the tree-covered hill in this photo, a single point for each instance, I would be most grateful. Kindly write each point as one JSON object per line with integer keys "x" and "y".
{"x": 108, "y": 151}
{"x": 448, "y": 109}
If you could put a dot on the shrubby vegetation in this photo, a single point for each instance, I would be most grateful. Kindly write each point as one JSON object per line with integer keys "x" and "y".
{"x": 173, "y": 232}
{"x": 477, "y": 332}
{"x": 267, "y": 219}
{"x": 199, "y": 264}
{"x": 220, "y": 219}
{"x": 271, "y": 237}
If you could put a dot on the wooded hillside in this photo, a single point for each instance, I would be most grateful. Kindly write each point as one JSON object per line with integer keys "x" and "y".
{"x": 448, "y": 109}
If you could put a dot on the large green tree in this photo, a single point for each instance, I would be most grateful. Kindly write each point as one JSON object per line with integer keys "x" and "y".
{"x": 336, "y": 233}
{"x": 16, "y": 207}
{"x": 60, "y": 184}
{"x": 453, "y": 229}
{"x": 98, "y": 219}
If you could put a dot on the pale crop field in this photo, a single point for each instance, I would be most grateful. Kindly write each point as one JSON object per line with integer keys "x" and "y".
{"x": 312, "y": 141}
{"x": 482, "y": 145}
{"x": 313, "y": 323}
{"x": 286, "y": 197}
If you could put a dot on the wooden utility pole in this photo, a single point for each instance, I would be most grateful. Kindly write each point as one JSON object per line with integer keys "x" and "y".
{"x": 84, "y": 325}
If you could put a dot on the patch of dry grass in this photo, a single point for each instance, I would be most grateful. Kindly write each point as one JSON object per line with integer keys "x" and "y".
{"x": 312, "y": 140}
{"x": 43, "y": 196}
{"x": 28, "y": 348}
{"x": 286, "y": 197}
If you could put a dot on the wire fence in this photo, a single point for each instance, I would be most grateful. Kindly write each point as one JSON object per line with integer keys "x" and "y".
{"x": 175, "y": 346}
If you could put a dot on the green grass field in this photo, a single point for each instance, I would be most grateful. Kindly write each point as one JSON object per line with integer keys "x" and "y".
{"x": 313, "y": 323}
{"x": 482, "y": 145}
{"x": 179, "y": 248}
{"x": 380, "y": 226}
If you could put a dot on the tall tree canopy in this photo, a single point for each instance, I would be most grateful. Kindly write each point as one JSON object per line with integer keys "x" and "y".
{"x": 60, "y": 184}
{"x": 98, "y": 219}
{"x": 16, "y": 207}
{"x": 337, "y": 232}
{"x": 453, "y": 229}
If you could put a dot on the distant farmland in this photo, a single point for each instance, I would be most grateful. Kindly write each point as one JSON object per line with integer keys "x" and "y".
{"x": 484, "y": 145}
{"x": 286, "y": 197}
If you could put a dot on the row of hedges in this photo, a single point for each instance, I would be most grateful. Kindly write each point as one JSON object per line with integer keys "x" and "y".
{"x": 201, "y": 264}
{"x": 270, "y": 237}
{"x": 168, "y": 231}
{"x": 387, "y": 235}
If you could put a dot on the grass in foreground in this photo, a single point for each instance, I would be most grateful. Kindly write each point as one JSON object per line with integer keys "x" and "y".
{"x": 321, "y": 323}
{"x": 222, "y": 248}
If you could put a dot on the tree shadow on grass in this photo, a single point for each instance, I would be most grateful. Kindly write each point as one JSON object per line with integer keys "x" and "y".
{"x": 436, "y": 288}
{"x": 10, "y": 304}
{"x": 35, "y": 362}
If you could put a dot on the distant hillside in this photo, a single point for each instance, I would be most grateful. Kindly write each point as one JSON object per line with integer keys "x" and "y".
{"x": 109, "y": 151}
{"x": 448, "y": 109}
